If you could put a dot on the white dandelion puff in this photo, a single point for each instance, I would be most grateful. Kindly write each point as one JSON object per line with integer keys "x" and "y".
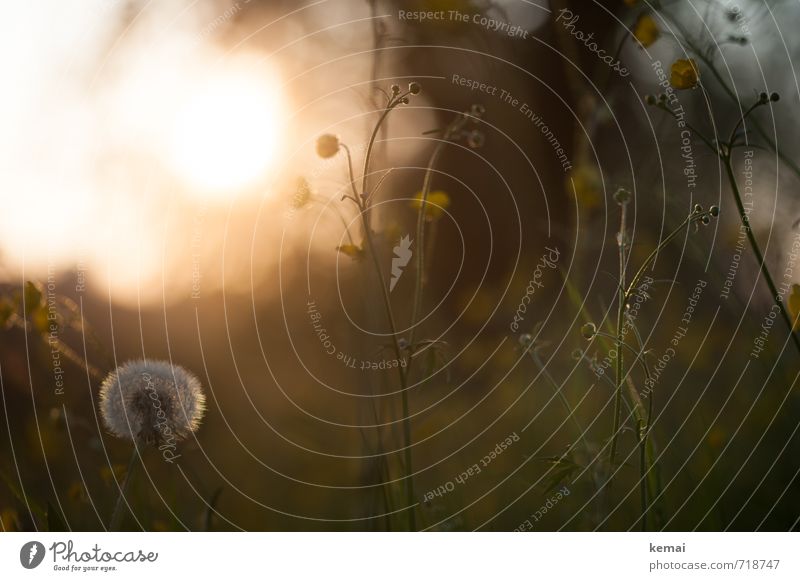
{"x": 151, "y": 402}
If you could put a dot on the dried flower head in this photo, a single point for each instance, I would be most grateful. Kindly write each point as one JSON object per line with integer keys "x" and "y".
{"x": 327, "y": 145}
{"x": 151, "y": 402}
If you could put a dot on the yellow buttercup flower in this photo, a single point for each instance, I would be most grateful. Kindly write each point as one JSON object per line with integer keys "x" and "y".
{"x": 351, "y": 250}
{"x": 794, "y": 307}
{"x": 588, "y": 185}
{"x": 646, "y": 30}
{"x": 435, "y": 206}
{"x": 684, "y": 74}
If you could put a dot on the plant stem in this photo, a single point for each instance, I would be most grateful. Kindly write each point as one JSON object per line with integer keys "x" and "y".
{"x": 624, "y": 296}
{"x": 400, "y": 369}
{"x": 643, "y": 471}
{"x": 776, "y": 296}
{"x": 426, "y": 187}
{"x": 116, "y": 516}
{"x": 620, "y": 364}
{"x": 564, "y": 400}
{"x": 365, "y": 212}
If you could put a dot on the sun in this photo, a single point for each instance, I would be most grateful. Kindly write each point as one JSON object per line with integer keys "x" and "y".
{"x": 225, "y": 135}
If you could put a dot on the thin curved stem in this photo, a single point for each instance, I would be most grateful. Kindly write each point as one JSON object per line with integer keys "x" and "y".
{"x": 642, "y": 434}
{"x": 639, "y": 356}
{"x": 762, "y": 265}
{"x": 624, "y": 299}
{"x": 350, "y": 172}
{"x": 116, "y": 516}
{"x": 620, "y": 363}
{"x": 388, "y": 109}
{"x": 562, "y": 397}
{"x": 426, "y": 186}
{"x": 401, "y": 370}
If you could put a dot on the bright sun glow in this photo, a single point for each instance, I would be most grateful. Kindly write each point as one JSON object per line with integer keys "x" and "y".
{"x": 226, "y": 135}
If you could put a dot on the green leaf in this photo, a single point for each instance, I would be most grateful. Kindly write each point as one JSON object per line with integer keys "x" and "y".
{"x": 6, "y": 311}
{"x": 55, "y": 524}
{"x": 33, "y": 296}
{"x": 30, "y": 504}
{"x": 209, "y": 512}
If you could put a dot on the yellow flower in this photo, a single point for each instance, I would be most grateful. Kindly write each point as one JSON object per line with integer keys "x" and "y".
{"x": 9, "y": 520}
{"x": 587, "y": 183}
{"x": 794, "y": 307}
{"x": 646, "y": 30}
{"x": 684, "y": 74}
{"x": 435, "y": 206}
{"x": 351, "y": 250}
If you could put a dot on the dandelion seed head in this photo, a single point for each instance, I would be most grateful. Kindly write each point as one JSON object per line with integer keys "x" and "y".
{"x": 151, "y": 401}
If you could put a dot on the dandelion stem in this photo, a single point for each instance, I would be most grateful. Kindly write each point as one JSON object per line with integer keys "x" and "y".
{"x": 116, "y": 516}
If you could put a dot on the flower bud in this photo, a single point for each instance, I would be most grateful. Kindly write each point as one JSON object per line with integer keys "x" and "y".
{"x": 327, "y": 145}
{"x": 414, "y": 88}
{"x": 477, "y": 110}
{"x": 588, "y": 331}
{"x": 475, "y": 139}
{"x": 622, "y": 196}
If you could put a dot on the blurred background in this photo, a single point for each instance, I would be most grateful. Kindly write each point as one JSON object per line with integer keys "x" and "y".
{"x": 163, "y": 198}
